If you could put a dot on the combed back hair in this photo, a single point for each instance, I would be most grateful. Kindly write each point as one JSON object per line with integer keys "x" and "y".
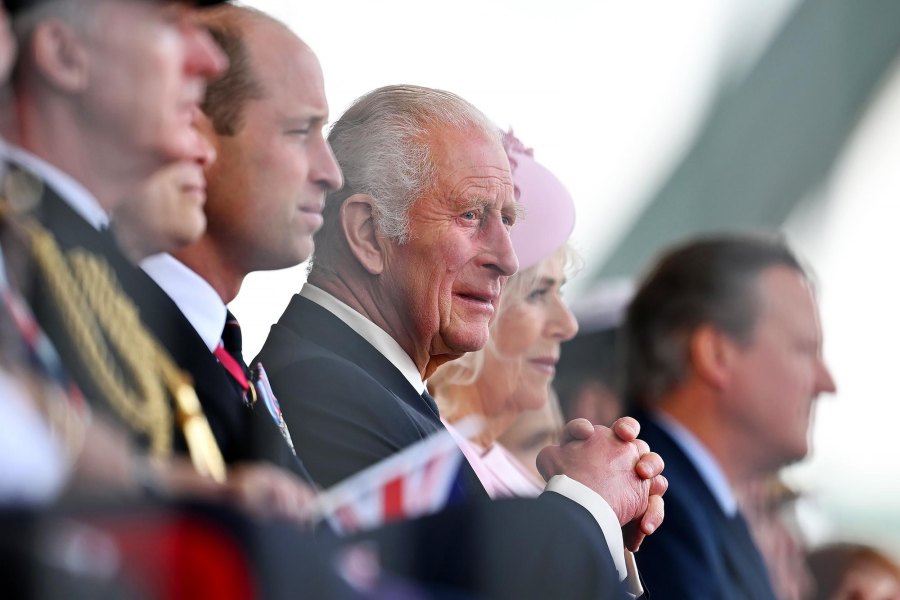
{"x": 226, "y": 96}
{"x": 709, "y": 281}
{"x": 382, "y": 146}
{"x": 466, "y": 369}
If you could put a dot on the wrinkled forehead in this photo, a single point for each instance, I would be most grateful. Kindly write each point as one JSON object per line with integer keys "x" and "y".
{"x": 468, "y": 162}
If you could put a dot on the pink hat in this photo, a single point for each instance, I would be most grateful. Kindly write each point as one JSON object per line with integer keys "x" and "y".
{"x": 549, "y": 213}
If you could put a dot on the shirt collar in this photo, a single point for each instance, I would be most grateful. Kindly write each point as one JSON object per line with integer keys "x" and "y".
{"x": 703, "y": 461}
{"x": 71, "y": 191}
{"x": 375, "y": 335}
{"x": 198, "y": 301}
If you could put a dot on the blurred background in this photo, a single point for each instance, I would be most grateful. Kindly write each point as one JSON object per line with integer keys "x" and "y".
{"x": 668, "y": 119}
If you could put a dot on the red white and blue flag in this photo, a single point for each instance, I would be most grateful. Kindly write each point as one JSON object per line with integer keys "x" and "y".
{"x": 416, "y": 481}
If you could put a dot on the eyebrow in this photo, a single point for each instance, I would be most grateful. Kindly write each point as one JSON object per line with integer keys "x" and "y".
{"x": 310, "y": 119}
{"x": 552, "y": 281}
{"x": 518, "y": 211}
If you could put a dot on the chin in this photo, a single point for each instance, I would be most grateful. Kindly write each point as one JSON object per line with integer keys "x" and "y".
{"x": 794, "y": 455}
{"x": 468, "y": 342}
{"x": 304, "y": 251}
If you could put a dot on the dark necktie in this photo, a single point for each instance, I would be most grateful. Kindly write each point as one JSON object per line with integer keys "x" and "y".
{"x": 757, "y": 584}
{"x": 430, "y": 403}
{"x": 229, "y": 354}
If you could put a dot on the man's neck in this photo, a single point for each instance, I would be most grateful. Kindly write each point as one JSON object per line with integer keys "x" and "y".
{"x": 714, "y": 431}
{"x": 363, "y": 297}
{"x": 213, "y": 264}
{"x": 359, "y": 297}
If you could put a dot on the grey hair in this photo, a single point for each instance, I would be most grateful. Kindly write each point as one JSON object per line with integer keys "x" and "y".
{"x": 381, "y": 144}
{"x": 79, "y": 14}
{"x": 73, "y": 12}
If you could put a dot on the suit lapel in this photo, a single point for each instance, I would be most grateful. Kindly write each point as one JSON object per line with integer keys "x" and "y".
{"x": 309, "y": 320}
{"x": 304, "y": 319}
{"x": 221, "y": 402}
{"x": 741, "y": 558}
{"x": 242, "y": 433}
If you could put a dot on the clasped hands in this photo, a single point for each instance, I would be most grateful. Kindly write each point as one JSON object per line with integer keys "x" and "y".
{"x": 614, "y": 463}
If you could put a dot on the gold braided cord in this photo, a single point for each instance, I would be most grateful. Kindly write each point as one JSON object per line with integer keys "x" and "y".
{"x": 202, "y": 446}
{"x": 93, "y": 307}
{"x": 104, "y": 324}
{"x": 118, "y": 316}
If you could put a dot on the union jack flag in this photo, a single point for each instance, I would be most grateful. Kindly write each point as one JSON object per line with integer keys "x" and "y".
{"x": 412, "y": 483}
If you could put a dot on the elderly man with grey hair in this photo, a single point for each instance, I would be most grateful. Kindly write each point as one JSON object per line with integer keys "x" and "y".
{"x": 407, "y": 271}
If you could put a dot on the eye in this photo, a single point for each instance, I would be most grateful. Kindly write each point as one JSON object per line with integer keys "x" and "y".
{"x": 470, "y": 215}
{"x": 538, "y": 294}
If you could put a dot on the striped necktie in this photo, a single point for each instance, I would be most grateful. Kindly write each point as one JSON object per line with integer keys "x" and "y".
{"x": 229, "y": 354}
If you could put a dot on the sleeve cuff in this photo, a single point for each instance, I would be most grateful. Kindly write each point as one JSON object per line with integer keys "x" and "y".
{"x": 607, "y": 520}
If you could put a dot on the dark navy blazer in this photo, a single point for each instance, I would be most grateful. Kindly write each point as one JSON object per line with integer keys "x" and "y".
{"x": 698, "y": 552}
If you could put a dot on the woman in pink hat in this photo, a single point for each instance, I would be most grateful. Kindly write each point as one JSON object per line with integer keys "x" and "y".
{"x": 513, "y": 372}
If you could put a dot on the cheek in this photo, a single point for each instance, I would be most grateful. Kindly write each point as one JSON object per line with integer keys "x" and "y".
{"x": 516, "y": 332}
{"x": 458, "y": 252}
{"x": 412, "y": 291}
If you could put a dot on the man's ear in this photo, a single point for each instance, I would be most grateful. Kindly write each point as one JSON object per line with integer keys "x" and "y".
{"x": 60, "y": 55}
{"x": 712, "y": 352}
{"x": 357, "y": 220}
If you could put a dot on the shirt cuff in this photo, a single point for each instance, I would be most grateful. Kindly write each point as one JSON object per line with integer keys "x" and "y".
{"x": 600, "y": 510}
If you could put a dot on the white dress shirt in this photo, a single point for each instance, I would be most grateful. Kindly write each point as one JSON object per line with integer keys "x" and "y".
{"x": 198, "y": 301}
{"x": 710, "y": 471}
{"x": 371, "y": 332}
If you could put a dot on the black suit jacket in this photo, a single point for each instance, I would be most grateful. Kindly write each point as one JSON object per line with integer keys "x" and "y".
{"x": 70, "y": 231}
{"x": 698, "y": 552}
{"x": 477, "y": 549}
{"x": 346, "y": 405}
{"x": 243, "y": 433}
{"x": 240, "y": 438}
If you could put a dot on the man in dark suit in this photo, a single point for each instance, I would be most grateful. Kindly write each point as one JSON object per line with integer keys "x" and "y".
{"x": 185, "y": 314}
{"x": 724, "y": 354}
{"x": 407, "y": 268}
{"x": 92, "y": 114}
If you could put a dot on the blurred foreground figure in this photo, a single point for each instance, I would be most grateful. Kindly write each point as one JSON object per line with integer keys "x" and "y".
{"x": 724, "y": 353}
{"x": 103, "y": 97}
